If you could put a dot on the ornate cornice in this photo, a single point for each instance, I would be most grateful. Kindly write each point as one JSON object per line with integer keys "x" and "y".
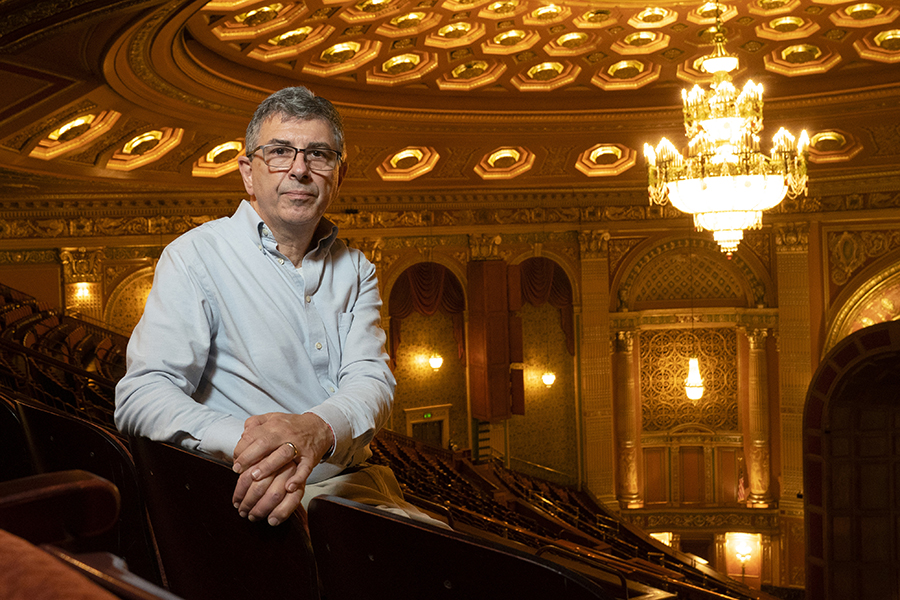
{"x": 744, "y": 318}
{"x": 707, "y": 519}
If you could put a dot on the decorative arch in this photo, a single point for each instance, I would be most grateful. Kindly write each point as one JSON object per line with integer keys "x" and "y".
{"x": 851, "y": 470}
{"x": 426, "y": 288}
{"x": 126, "y": 301}
{"x": 542, "y": 281}
{"x": 737, "y": 282}
{"x": 564, "y": 262}
{"x": 873, "y": 297}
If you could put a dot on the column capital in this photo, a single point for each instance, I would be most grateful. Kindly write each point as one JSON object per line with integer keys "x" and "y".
{"x": 82, "y": 264}
{"x": 792, "y": 237}
{"x": 594, "y": 244}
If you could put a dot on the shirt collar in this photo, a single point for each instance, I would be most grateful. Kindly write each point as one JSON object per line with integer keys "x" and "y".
{"x": 247, "y": 217}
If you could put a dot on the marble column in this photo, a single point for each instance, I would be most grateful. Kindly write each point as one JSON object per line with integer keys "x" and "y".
{"x": 757, "y": 446}
{"x": 626, "y": 422}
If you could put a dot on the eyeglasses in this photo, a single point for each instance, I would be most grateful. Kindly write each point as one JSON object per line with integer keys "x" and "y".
{"x": 279, "y": 156}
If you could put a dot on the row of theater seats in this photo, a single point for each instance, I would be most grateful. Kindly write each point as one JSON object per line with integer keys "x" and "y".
{"x": 546, "y": 518}
{"x": 90, "y": 498}
{"x": 59, "y": 359}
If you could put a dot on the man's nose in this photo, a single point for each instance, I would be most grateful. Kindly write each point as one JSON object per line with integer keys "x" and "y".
{"x": 299, "y": 167}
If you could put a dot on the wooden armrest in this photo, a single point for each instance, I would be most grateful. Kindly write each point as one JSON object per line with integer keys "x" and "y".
{"x": 58, "y": 507}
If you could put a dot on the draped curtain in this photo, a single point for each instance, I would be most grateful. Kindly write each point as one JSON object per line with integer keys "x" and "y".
{"x": 427, "y": 288}
{"x": 544, "y": 281}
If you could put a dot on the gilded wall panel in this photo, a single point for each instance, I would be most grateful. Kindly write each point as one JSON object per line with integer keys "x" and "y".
{"x": 664, "y": 358}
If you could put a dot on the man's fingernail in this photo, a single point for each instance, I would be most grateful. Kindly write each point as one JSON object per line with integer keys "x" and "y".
{"x": 243, "y": 514}
{"x": 252, "y": 518}
{"x": 292, "y": 487}
{"x": 255, "y": 474}
{"x": 273, "y": 521}
{"x": 236, "y": 467}
{"x": 237, "y": 505}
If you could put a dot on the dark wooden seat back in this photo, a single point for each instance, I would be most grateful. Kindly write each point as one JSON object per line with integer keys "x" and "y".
{"x": 59, "y": 442}
{"x": 207, "y": 549}
{"x": 16, "y": 461}
{"x": 363, "y": 552}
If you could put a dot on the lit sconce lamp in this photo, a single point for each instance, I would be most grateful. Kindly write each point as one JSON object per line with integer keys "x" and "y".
{"x": 82, "y": 291}
{"x": 548, "y": 378}
{"x": 435, "y": 361}
{"x": 693, "y": 385}
{"x": 744, "y": 553}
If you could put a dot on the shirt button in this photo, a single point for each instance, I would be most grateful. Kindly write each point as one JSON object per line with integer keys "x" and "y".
{"x": 318, "y": 345}
{"x": 331, "y": 389}
{"x": 309, "y": 298}
{"x": 280, "y": 261}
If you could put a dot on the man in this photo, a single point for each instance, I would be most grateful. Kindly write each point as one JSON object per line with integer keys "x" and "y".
{"x": 261, "y": 340}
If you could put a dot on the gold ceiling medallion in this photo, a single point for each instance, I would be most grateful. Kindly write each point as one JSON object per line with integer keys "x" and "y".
{"x": 221, "y": 160}
{"x": 546, "y": 76}
{"x": 407, "y": 164}
{"x": 606, "y": 160}
{"x": 593, "y": 19}
{"x": 343, "y": 58}
{"x": 773, "y": 7}
{"x": 864, "y": 14}
{"x": 882, "y": 47}
{"x": 505, "y": 9}
{"x": 653, "y": 18}
{"x": 626, "y": 75}
{"x": 471, "y": 75}
{"x": 787, "y": 28}
{"x": 263, "y": 21}
{"x": 833, "y": 146}
{"x": 724, "y": 181}
{"x": 574, "y": 43}
{"x": 511, "y": 41}
{"x": 408, "y": 24}
{"x": 456, "y": 35}
{"x": 145, "y": 148}
{"x": 291, "y": 43}
{"x": 801, "y": 59}
{"x": 402, "y": 69}
{"x": 641, "y": 43}
{"x": 505, "y": 163}
{"x": 75, "y": 134}
{"x": 547, "y": 14}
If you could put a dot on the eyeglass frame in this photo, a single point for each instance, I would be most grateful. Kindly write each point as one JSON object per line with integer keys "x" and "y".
{"x": 297, "y": 151}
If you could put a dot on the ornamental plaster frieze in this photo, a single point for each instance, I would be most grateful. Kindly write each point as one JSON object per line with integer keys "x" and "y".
{"x": 691, "y": 438}
{"x": 742, "y": 318}
{"x": 850, "y": 251}
{"x": 757, "y": 520}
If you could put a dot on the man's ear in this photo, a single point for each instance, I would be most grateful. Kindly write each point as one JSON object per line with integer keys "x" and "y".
{"x": 245, "y": 164}
{"x": 342, "y": 170}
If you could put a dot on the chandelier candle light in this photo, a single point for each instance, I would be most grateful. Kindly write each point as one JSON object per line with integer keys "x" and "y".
{"x": 725, "y": 181}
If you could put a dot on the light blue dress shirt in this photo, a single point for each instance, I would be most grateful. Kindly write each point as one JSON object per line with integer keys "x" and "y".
{"x": 231, "y": 329}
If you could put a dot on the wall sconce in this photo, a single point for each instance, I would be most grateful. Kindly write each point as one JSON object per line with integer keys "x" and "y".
{"x": 548, "y": 378}
{"x": 82, "y": 291}
{"x": 435, "y": 361}
{"x": 744, "y": 553}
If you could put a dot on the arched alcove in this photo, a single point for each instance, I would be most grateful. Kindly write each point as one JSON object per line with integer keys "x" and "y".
{"x": 426, "y": 307}
{"x": 851, "y": 468}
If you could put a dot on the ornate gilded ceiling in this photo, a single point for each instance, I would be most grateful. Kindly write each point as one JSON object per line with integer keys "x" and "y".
{"x": 495, "y": 99}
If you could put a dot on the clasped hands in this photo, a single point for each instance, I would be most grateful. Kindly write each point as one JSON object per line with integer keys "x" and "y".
{"x": 272, "y": 475}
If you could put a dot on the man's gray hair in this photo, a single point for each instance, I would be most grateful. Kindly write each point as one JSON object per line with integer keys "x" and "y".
{"x": 296, "y": 103}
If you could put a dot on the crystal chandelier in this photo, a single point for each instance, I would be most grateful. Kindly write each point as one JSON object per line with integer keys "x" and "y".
{"x": 725, "y": 181}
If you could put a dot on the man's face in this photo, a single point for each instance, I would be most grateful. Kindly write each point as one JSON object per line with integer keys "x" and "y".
{"x": 294, "y": 199}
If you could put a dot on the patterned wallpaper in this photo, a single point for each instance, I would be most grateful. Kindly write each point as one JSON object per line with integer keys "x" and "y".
{"x": 664, "y": 358}
{"x": 545, "y": 435}
{"x": 418, "y": 385}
